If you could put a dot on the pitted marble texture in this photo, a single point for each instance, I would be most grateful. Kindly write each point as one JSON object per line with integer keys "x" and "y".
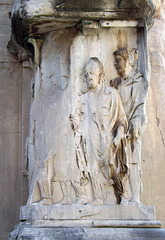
{"x": 27, "y": 232}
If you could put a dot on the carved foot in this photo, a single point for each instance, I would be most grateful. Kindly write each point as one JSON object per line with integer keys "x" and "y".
{"x": 80, "y": 201}
{"x": 124, "y": 201}
{"x": 64, "y": 201}
{"x": 135, "y": 202}
{"x": 45, "y": 201}
{"x": 97, "y": 201}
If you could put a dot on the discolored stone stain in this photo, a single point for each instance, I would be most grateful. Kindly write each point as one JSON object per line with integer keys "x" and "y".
{"x": 122, "y": 39}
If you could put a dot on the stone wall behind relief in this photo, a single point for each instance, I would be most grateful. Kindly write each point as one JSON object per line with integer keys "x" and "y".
{"x": 15, "y": 78}
{"x": 153, "y": 150}
{"x": 15, "y": 97}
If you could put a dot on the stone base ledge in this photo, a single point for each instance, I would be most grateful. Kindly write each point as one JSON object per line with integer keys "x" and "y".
{"x": 29, "y": 232}
{"x": 87, "y": 212}
{"x": 97, "y": 223}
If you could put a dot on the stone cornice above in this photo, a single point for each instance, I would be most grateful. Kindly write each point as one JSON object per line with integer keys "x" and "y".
{"x": 33, "y": 18}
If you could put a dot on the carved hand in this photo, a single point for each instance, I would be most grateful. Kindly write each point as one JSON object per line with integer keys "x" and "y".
{"x": 134, "y": 129}
{"x": 119, "y": 136}
{"x": 75, "y": 122}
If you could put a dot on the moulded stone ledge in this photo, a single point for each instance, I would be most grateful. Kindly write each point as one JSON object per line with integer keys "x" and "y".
{"x": 98, "y": 223}
{"x": 85, "y": 212}
{"x": 28, "y": 232}
{"x": 29, "y": 15}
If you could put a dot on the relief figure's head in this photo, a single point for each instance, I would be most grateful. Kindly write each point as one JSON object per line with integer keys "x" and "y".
{"x": 125, "y": 60}
{"x": 93, "y": 73}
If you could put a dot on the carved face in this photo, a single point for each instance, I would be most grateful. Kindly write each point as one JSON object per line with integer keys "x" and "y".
{"x": 120, "y": 65}
{"x": 92, "y": 75}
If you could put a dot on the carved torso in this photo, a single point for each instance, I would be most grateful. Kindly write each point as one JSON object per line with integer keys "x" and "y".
{"x": 131, "y": 90}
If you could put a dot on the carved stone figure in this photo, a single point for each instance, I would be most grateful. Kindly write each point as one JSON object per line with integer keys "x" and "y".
{"x": 41, "y": 187}
{"x": 84, "y": 141}
{"x": 99, "y": 127}
{"x": 131, "y": 87}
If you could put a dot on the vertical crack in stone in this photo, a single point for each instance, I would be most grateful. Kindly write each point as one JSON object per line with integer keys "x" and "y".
{"x": 158, "y": 124}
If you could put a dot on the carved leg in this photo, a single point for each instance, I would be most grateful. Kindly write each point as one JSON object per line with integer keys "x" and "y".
{"x": 65, "y": 187}
{"x": 135, "y": 183}
{"x": 81, "y": 198}
{"x": 45, "y": 192}
{"x": 97, "y": 191}
{"x": 135, "y": 173}
{"x": 117, "y": 183}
